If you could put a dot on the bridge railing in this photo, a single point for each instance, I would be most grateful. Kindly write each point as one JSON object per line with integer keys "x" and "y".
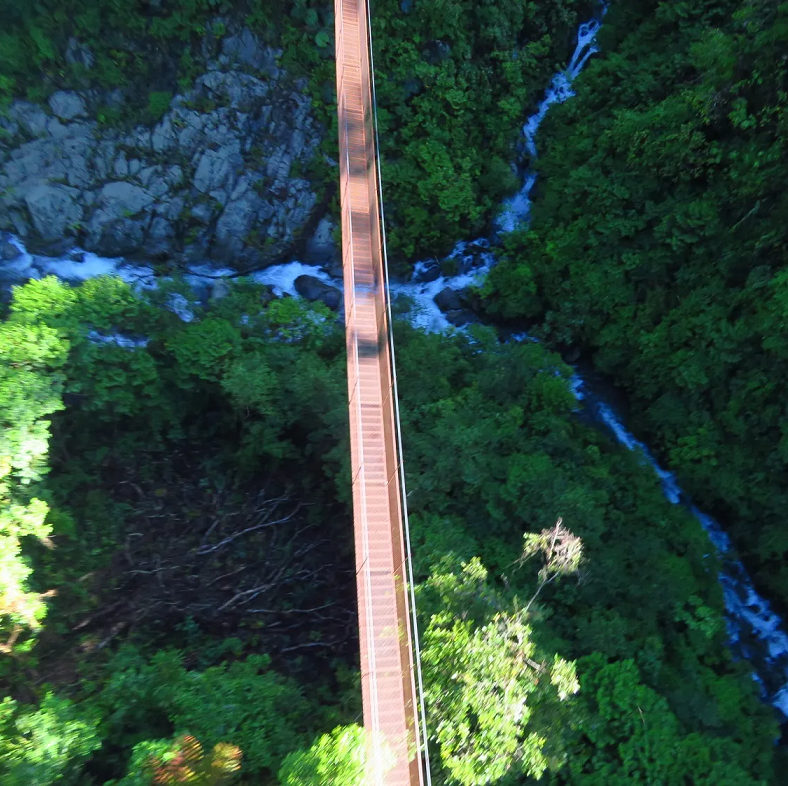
{"x": 385, "y": 632}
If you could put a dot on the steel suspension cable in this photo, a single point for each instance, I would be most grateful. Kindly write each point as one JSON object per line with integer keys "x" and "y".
{"x": 423, "y": 743}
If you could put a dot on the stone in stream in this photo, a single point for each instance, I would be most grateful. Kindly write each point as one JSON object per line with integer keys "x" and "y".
{"x": 220, "y": 289}
{"x": 312, "y": 288}
{"x": 461, "y": 317}
{"x": 459, "y": 305}
{"x": 448, "y": 299}
{"x": 9, "y": 252}
{"x": 428, "y": 272}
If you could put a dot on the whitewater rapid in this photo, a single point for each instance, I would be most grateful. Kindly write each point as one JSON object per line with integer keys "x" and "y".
{"x": 517, "y": 209}
{"x": 755, "y": 630}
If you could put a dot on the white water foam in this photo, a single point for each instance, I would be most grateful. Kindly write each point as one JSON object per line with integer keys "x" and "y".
{"x": 474, "y": 261}
{"x": 282, "y": 278}
{"x": 78, "y": 265}
{"x": 125, "y": 342}
{"x": 180, "y": 306}
{"x": 517, "y": 209}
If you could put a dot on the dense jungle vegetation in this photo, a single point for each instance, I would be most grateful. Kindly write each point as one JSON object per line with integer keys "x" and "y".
{"x": 658, "y": 246}
{"x": 176, "y": 582}
{"x": 195, "y": 528}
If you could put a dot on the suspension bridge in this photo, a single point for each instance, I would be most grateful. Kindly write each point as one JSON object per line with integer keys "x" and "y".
{"x": 390, "y": 673}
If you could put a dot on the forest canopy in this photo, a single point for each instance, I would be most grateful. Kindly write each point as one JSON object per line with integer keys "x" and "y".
{"x": 177, "y": 597}
{"x": 192, "y": 470}
{"x": 674, "y": 284}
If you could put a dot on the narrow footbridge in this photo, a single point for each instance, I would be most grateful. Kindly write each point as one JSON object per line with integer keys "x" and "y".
{"x": 389, "y": 654}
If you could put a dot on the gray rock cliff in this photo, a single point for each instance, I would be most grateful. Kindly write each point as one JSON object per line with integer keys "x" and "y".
{"x": 214, "y": 180}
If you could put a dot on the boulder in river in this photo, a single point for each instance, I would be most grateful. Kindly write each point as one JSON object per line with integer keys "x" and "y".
{"x": 448, "y": 299}
{"x": 9, "y": 252}
{"x": 461, "y": 317}
{"x": 312, "y": 288}
{"x": 427, "y": 272}
{"x": 459, "y": 305}
{"x": 220, "y": 289}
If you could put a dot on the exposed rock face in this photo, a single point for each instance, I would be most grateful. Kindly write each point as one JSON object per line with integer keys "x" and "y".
{"x": 211, "y": 180}
{"x": 53, "y": 210}
{"x": 78, "y": 53}
{"x": 321, "y": 248}
{"x": 67, "y": 106}
{"x": 312, "y": 288}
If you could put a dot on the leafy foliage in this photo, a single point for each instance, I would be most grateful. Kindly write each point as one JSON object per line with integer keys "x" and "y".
{"x": 245, "y": 705}
{"x": 30, "y": 385}
{"x": 192, "y": 631}
{"x": 480, "y": 677}
{"x": 335, "y": 759}
{"x": 455, "y": 80}
{"x": 626, "y": 716}
{"x": 205, "y": 409}
{"x": 46, "y": 744}
{"x": 182, "y": 760}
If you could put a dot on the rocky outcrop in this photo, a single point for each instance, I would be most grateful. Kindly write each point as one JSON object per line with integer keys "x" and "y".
{"x": 213, "y": 180}
{"x": 53, "y": 210}
{"x": 67, "y": 106}
{"x": 321, "y": 248}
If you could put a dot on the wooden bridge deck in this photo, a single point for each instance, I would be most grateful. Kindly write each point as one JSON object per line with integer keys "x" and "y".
{"x": 384, "y": 623}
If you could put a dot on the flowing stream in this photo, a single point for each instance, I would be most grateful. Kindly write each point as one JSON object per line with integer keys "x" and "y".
{"x": 756, "y": 633}
{"x": 755, "y": 630}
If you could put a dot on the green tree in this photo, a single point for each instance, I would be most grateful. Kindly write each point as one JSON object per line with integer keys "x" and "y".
{"x": 47, "y": 744}
{"x": 30, "y": 386}
{"x": 482, "y": 677}
{"x": 674, "y": 284}
{"x": 335, "y": 759}
{"x": 628, "y": 735}
{"x": 182, "y": 759}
